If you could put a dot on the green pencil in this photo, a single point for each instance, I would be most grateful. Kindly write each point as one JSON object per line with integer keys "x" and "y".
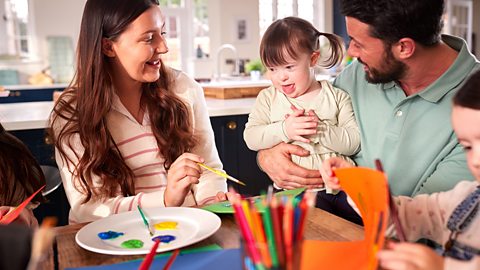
{"x": 267, "y": 220}
{"x": 145, "y": 221}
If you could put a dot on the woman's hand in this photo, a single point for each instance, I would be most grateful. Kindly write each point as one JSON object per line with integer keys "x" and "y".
{"x": 277, "y": 163}
{"x": 182, "y": 174}
{"x": 409, "y": 256}
{"x": 326, "y": 170}
{"x": 26, "y": 216}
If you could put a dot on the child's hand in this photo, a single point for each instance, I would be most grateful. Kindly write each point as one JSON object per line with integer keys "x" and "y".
{"x": 222, "y": 196}
{"x": 326, "y": 170}
{"x": 409, "y": 256}
{"x": 298, "y": 124}
{"x": 26, "y": 216}
{"x": 182, "y": 174}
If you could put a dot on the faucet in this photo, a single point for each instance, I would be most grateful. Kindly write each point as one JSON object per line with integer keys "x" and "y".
{"x": 217, "y": 55}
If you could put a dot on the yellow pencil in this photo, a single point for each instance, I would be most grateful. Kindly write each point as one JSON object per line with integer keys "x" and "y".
{"x": 222, "y": 174}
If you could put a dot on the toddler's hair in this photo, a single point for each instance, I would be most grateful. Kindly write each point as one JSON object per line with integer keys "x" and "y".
{"x": 291, "y": 36}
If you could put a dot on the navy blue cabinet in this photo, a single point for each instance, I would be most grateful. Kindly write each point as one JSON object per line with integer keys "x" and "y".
{"x": 238, "y": 161}
{"x": 41, "y": 94}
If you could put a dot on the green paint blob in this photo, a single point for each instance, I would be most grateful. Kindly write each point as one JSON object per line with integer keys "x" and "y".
{"x": 133, "y": 243}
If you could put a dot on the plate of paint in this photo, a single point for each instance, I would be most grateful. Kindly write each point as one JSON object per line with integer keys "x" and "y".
{"x": 127, "y": 234}
{"x": 226, "y": 208}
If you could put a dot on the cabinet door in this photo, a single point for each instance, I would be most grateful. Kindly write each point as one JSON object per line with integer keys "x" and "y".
{"x": 29, "y": 95}
{"x": 238, "y": 161}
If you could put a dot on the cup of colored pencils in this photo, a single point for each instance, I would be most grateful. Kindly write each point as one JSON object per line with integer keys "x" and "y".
{"x": 271, "y": 232}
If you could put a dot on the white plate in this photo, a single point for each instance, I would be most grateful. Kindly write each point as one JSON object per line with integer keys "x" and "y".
{"x": 194, "y": 225}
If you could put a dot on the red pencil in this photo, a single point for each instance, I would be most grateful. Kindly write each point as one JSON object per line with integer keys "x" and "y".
{"x": 301, "y": 223}
{"x": 172, "y": 258}
{"x": 288, "y": 234}
{"x": 149, "y": 258}
{"x": 12, "y": 215}
{"x": 277, "y": 231}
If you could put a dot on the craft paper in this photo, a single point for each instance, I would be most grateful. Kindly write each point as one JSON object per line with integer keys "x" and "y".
{"x": 368, "y": 189}
{"x": 226, "y": 208}
{"x": 212, "y": 260}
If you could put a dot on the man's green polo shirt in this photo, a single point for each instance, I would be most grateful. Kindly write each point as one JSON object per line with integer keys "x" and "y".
{"x": 412, "y": 136}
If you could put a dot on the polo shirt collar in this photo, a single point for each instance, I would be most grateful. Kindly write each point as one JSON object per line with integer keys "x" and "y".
{"x": 455, "y": 74}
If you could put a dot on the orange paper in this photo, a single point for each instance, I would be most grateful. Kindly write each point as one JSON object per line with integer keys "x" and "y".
{"x": 368, "y": 189}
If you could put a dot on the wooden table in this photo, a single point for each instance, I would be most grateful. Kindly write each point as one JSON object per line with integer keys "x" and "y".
{"x": 320, "y": 225}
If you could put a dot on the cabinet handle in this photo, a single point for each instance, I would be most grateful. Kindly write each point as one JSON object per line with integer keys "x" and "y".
{"x": 232, "y": 125}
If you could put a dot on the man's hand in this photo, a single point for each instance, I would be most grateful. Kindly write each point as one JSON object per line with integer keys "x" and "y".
{"x": 277, "y": 163}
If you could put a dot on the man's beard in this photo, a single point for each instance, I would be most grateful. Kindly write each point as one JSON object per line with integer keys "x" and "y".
{"x": 392, "y": 70}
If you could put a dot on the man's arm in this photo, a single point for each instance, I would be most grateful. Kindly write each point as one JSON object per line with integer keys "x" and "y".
{"x": 451, "y": 170}
{"x": 277, "y": 163}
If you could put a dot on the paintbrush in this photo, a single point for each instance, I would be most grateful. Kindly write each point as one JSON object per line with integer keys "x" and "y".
{"x": 172, "y": 258}
{"x": 149, "y": 258}
{"x": 145, "y": 221}
{"x": 231, "y": 178}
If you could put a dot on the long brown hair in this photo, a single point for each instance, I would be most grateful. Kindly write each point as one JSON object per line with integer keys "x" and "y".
{"x": 20, "y": 174}
{"x": 291, "y": 36}
{"x": 86, "y": 103}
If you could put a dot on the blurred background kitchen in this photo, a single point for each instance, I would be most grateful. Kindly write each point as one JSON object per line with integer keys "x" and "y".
{"x": 215, "y": 41}
{"x": 39, "y": 36}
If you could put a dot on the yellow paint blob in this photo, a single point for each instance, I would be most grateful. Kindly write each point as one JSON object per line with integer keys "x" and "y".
{"x": 166, "y": 225}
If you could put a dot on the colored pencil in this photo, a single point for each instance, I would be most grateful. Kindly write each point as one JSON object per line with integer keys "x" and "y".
{"x": 43, "y": 239}
{"x": 393, "y": 208}
{"x": 300, "y": 227}
{"x": 145, "y": 221}
{"x": 149, "y": 258}
{"x": 12, "y": 215}
{"x": 221, "y": 173}
{"x": 172, "y": 258}
{"x": 277, "y": 231}
{"x": 267, "y": 220}
{"x": 288, "y": 234}
{"x": 248, "y": 237}
{"x": 260, "y": 236}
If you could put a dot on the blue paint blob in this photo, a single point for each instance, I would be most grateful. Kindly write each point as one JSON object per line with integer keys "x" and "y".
{"x": 164, "y": 238}
{"x": 109, "y": 235}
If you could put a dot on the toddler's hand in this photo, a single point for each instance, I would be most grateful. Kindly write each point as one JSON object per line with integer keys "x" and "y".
{"x": 409, "y": 256}
{"x": 326, "y": 170}
{"x": 222, "y": 196}
{"x": 182, "y": 174}
{"x": 298, "y": 125}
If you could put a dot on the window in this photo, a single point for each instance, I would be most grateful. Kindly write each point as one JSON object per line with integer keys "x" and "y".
{"x": 270, "y": 10}
{"x": 182, "y": 18}
{"x": 14, "y": 29}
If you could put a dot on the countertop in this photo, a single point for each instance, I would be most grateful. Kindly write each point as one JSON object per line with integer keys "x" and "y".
{"x": 34, "y": 115}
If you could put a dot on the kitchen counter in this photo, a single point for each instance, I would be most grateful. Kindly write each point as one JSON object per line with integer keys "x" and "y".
{"x": 34, "y": 115}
